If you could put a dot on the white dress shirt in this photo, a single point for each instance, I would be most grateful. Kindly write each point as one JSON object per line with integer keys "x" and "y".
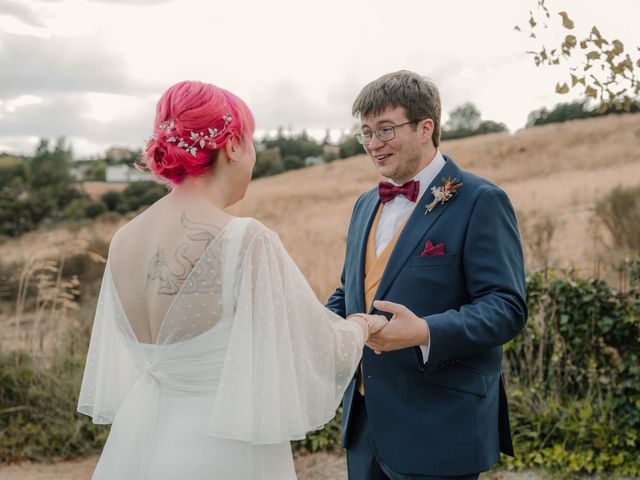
{"x": 395, "y": 212}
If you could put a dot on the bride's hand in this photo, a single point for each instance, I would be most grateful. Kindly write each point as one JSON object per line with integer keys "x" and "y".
{"x": 371, "y": 323}
{"x": 377, "y": 323}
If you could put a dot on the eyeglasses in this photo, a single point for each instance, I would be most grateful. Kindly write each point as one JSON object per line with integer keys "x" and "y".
{"x": 384, "y": 134}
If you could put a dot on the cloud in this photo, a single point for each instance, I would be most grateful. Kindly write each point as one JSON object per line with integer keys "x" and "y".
{"x": 51, "y": 118}
{"x": 20, "y": 12}
{"x": 33, "y": 65}
{"x": 286, "y": 103}
{"x": 117, "y": 2}
{"x": 66, "y": 116}
{"x": 133, "y": 2}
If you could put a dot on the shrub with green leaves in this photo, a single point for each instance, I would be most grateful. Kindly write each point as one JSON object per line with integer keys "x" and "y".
{"x": 619, "y": 211}
{"x": 573, "y": 377}
{"x": 38, "y": 418}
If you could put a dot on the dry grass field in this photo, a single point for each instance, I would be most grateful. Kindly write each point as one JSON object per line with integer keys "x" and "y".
{"x": 95, "y": 189}
{"x": 557, "y": 171}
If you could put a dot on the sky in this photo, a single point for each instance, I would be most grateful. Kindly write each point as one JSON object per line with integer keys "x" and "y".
{"x": 93, "y": 70}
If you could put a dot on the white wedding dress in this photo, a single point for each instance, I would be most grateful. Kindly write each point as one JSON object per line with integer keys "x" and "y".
{"x": 245, "y": 360}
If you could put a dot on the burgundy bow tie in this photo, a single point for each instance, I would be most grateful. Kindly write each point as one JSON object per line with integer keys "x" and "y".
{"x": 388, "y": 191}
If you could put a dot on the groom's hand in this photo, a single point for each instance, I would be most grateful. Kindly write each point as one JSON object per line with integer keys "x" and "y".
{"x": 405, "y": 329}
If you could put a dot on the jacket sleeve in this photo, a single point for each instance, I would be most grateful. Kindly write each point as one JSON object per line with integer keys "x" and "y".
{"x": 493, "y": 267}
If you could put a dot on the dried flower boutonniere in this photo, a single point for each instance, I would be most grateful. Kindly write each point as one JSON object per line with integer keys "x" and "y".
{"x": 443, "y": 193}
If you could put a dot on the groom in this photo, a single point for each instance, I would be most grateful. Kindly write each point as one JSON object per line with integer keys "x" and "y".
{"x": 436, "y": 249}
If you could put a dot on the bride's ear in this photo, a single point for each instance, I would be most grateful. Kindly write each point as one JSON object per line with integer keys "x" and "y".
{"x": 231, "y": 150}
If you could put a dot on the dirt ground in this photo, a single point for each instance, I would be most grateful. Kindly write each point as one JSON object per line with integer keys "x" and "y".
{"x": 317, "y": 466}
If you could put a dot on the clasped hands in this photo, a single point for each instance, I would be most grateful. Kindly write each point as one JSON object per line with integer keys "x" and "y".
{"x": 403, "y": 330}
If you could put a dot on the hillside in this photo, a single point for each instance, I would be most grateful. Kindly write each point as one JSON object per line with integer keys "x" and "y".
{"x": 559, "y": 170}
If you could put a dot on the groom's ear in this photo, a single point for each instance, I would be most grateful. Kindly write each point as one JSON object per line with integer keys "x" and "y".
{"x": 425, "y": 128}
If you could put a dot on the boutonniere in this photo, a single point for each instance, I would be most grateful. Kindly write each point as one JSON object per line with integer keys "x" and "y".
{"x": 443, "y": 193}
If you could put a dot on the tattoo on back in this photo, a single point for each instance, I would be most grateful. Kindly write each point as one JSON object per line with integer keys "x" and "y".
{"x": 193, "y": 274}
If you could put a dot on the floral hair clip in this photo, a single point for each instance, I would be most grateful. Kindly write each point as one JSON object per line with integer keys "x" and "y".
{"x": 196, "y": 140}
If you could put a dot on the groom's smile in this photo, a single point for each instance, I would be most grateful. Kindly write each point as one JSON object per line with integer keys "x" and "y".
{"x": 381, "y": 158}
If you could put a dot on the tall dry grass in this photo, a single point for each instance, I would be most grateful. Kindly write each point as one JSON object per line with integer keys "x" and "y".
{"x": 43, "y": 290}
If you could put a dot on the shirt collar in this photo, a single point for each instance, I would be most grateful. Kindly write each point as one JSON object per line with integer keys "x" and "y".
{"x": 428, "y": 173}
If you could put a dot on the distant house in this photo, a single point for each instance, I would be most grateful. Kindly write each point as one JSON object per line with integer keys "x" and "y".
{"x": 79, "y": 171}
{"x": 331, "y": 149}
{"x": 313, "y": 161}
{"x": 119, "y": 154}
{"x": 125, "y": 173}
{"x": 309, "y": 161}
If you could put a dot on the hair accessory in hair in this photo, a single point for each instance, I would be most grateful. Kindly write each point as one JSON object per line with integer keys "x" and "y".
{"x": 196, "y": 140}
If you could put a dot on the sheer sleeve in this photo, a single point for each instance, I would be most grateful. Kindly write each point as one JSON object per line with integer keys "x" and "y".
{"x": 289, "y": 358}
{"x": 110, "y": 369}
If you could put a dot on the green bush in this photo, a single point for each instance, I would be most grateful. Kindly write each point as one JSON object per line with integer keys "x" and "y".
{"x": 38, "y": 417}
{"x": 573, "y": 378}
{"x": 112, "y": 200}
{"x": 13, "y": 172}
{"x": 84, "y": 208}
{"x": 16, "y": 215}
{"x": 268, "y": 162}
{"x": 292, "y": 162}
{"x": 350, "y": 147}
{"x": 327, "y": 439}
{"x": 619, "y": 211}
{"x": 577, "y": 109}
{"x": 140, "y": 194}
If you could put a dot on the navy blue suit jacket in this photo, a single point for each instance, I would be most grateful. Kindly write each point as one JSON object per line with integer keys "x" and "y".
{"x": 449, "y": 416}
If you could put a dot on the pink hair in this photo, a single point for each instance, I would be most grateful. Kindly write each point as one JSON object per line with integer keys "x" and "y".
{"x": 194, "y": 107}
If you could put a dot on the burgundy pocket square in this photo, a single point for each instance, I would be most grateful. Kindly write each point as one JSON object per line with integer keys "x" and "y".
{"x": 430, "y": 249}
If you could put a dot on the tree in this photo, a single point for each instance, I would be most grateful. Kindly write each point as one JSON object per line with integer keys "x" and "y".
{"x": 268, "y": 162}
{"x": 112, "y": 199}
{"x": 601, "y": 68}
{"x": 13, "y": 172}
{"x": 560, "y": 113}
{"x": 350, "y": 147}
{"x": 464, "y": 117}
{"x": 489, "y": 126}
{"x": 466, "y": 121}
{"x": 98, "y": 171}
{"x": 292, "y": 162}
{"x": 50, "y": 168}
{"x": 563, "y": 112}
{"x": 299, "y": 145}
{"x": 619, "y": 211}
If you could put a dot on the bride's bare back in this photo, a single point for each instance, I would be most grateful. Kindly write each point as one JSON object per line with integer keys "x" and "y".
{"x": 153, "y": 255}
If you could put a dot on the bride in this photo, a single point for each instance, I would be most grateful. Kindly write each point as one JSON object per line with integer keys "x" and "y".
{"x": 209, "y": 350}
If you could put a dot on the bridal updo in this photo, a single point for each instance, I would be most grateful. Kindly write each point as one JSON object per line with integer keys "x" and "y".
{"x": 194, "y": 120}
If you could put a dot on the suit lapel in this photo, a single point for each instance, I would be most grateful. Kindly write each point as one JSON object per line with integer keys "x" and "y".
{"x": 416, "y": 228}
{"x": 369, "y": 208}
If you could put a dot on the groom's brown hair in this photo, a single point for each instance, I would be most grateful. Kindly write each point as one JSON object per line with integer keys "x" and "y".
{"x": 418, "y": 96}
